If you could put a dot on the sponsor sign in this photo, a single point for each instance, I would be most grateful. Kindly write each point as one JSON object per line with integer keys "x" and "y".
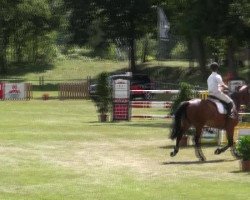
{"x": 121, "y": 111}
{"x": 121, "y": 89}
{"x": 14, "y": 91}
{"x": 121, "y": 97}
{"x": 1, "y": 90}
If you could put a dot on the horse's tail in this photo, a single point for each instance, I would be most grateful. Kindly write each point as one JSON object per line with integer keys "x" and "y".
{"x": 176, "y": 127}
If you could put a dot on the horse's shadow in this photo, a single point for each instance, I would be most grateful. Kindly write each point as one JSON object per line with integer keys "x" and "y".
{"x": 195, "y": 162}
{"x": 212, "y": 145}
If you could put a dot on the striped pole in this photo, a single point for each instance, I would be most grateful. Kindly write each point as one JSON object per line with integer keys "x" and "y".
{"x": 156, "y": 104}
{"x": 155, "y": 91}
{"x": 153, "y": 116}
{"x": 163, "y": 91}
{"x": 151, "y": 104}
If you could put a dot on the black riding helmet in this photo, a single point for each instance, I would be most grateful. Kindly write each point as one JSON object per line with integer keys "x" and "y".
{"x": 214, "y": 66}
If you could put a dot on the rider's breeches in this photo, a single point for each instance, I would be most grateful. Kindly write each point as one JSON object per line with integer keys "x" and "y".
{"x": 222, "y": 96}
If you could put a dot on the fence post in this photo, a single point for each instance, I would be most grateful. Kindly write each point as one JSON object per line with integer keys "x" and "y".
{"x": 41, "y": 81}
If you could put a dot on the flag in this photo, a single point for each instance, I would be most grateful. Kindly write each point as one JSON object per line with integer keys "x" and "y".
{"x": 163, "y": 25}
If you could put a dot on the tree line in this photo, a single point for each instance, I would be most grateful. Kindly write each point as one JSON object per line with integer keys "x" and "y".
{"x": 32, "y": 30}
{"x": 28, "y": 30}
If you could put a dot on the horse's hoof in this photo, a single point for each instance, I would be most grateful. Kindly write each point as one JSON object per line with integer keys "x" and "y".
{"x": 202, "y": 159}
{"x": 217, "y": 152}
{"x": 172, "y": 154}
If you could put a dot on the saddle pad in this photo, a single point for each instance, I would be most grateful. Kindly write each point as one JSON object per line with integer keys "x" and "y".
{"x": 220, "y": 107}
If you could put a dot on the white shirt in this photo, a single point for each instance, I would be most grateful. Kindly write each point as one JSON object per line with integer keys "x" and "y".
{"x": 214, "y": 83}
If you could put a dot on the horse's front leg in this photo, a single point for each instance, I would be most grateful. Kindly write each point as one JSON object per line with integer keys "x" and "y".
{"x": 221, "y": 149}
{"x": 197, "y": 143}
{"x": 230, "y": 143}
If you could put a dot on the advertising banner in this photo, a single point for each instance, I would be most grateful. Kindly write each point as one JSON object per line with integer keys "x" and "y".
{"x": 121, "y": 97}
{"x": 14, "y": 91}
{"x": 1, "y": 90}
{"x": 121, "y": 89}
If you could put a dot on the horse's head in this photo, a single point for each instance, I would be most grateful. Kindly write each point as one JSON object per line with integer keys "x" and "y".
{"x": 242, "y": 96}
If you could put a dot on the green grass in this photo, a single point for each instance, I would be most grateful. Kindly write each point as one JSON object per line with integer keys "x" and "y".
{"x": 58, "y": 150}
{"x": 65, "y": 69}
{"x": 70, "y": 69}
{"x": 170, "y": 63}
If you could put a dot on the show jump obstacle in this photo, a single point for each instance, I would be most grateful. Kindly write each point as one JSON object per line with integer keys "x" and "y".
{"x": 121, "y": 99}
{"x": 157, "y": 104}
{"x": 122, "y": 105}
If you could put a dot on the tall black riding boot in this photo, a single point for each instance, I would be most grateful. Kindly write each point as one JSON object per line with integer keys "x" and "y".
{"x": 229, "y": 109}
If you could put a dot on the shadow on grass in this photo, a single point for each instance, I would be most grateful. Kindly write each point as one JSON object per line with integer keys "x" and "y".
{"x": 166, "y": 73}
{"x": 211, "y": 145}
{"x": 46, "y": 87}
{"x": 131, "y": 124}
{"x": 19, "y": 69}
{"x": 240, "y": 172}
{"x": 154, "y": 125}
{"x": 195, "y": 162}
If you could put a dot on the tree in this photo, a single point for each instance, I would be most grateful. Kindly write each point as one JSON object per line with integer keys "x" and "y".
{"x": 199, "y": 20}
{"x": 189, "y": 18}
{"x": 7, "y": 13}
{"x": 236, "y": 30}
{"x": 123, "y": 20}
{"x": 81, "y": 15}
{"x": 25, "y": 26}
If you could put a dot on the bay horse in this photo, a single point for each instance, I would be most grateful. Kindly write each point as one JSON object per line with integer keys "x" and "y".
{"x": 199, "y": 113}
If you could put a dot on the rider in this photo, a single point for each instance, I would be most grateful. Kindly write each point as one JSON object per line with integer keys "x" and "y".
{"x": 216, "y": 86}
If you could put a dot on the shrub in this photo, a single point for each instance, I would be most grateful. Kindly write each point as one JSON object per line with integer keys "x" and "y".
{"x": 243, "y": 147}
{"x": 186, "y": 93}
{"x": 103, "y": 92}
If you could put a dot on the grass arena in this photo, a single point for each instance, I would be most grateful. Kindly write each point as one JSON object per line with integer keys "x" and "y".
{"x": 58, "y": 150}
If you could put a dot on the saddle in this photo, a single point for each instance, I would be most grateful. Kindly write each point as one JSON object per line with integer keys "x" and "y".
{"x": 221, "y": 105}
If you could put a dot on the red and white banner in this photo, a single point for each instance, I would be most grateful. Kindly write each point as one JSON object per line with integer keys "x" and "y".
{"x": 14, "y": 91}
{"x": 1, "y": 90}
{"x": 121, "y": 96}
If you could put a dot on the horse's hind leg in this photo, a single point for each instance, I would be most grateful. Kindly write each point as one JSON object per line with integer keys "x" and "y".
{"x": 176, "y": 148}
{"x": 184, "y": 128}
{"x": 197, "y": 138}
